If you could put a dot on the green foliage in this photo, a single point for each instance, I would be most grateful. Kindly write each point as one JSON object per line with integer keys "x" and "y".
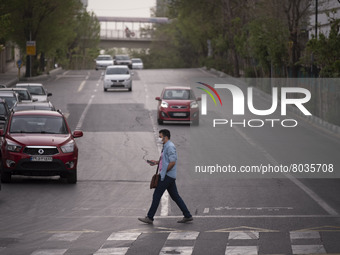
{"x": 58, "y": 27}
{"x": 325, "y": 51}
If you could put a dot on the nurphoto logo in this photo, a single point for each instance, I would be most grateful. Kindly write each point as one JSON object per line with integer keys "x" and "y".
{"x": 239, "y": 105}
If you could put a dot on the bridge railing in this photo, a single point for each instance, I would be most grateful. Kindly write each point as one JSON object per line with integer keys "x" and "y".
{"x": 122, "y": 34}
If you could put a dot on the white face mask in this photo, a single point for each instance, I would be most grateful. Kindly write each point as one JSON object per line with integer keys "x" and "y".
{"x": 160, "y": 140}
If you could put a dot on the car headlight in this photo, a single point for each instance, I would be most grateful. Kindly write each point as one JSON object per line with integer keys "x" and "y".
{"x": 12, "y": 146}
{"x": 68, "y": 148}
{"x": 164, "y": 104}
{"x": 193, "y": 105}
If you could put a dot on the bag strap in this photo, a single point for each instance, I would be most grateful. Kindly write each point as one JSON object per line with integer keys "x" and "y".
{"x": 158, "y": 164}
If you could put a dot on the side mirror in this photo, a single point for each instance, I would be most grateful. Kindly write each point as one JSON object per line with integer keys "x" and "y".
{"x": 77, "y": 133}
{"x": 198, "y": 99}
{"x": 2, "y": 132}
{"x": 3, "y": 118}
{"x": 49, "y": 94}
{"x": 158, "y": 99}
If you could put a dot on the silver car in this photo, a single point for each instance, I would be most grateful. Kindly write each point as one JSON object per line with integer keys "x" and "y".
{"x": 102, "y": 61}
{"x": 117, "y": 77}
{"x": 137, "y": 63}
{"x": 36, "y": 90}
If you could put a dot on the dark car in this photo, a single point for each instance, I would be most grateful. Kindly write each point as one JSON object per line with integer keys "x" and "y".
{"x": 38, "y": 143}
{"x": 123, "y": 60}
{"x": 178, "y": 104}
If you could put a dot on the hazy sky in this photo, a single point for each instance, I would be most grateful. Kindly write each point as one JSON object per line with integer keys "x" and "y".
{"x": 121, "y": 8}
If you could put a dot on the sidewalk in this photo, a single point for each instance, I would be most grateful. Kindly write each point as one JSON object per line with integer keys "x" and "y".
{"x": 10, "y": 77}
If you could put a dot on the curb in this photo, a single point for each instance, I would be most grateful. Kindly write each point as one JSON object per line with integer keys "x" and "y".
{"x": 334, "y": 129}
{"x": 49, "y": 74}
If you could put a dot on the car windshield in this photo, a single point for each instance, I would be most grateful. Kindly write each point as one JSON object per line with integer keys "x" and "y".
{"x": 122, "y": 57}
{"x": 104, "y": 58}
{"x": 178, "y": 94}
{"x": 23, "y": 94}
{"x": 38, "y": 124}
{"x": 117, "y": 71}
{"x": 10, "y": 101}
{"x": 2, "y": 109}
{"x": 36, "y": 90}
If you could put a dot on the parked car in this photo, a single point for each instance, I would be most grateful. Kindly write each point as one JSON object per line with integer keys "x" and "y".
{"x": 37, "y": 91}
{"x": 123, "y": 60}
{"x": 10, "y": 97}
{"x": 117, "y": 77}
{"x": 102, "y": 61}
{"x": 23, "y": 94}
{"x": 4, "y": 113}
{"x": 137, "y": 63}
{"x": 177, "y": 104}
{"x": 25, "y": 106}
{"x": 38, "y": 143}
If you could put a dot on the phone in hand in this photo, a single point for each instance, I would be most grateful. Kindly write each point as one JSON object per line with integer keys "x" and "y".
{"x": 150, "y": 162}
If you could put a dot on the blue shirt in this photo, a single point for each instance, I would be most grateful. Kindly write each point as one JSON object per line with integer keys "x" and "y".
{"x": 169, "y": 155}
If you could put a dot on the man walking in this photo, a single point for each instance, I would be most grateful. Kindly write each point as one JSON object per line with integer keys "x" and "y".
{"x": 168, "y": 172}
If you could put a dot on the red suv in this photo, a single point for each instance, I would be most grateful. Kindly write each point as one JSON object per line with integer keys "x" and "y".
{"x": 177, "y": 104}
{"x": 38, "y": 143}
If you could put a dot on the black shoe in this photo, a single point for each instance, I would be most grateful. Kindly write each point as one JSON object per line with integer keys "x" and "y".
{"x": 146, "y": 220}
{"x": 185, "y": 220}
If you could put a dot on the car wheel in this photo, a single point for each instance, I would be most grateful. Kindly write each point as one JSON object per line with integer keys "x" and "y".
{"x": 5, "y": 177}
{"x": 72, "y": 177}
{"x": 130, "y": 89}
{"x": 105, "y": 89}
{"x": 160, "y": 122}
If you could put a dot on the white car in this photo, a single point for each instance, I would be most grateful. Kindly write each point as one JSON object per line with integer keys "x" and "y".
{"x": 117, "y": 77}
{"x": 36, "y": 90}
{"x": 137, "y": 63}
{"x": 103, "y": 61}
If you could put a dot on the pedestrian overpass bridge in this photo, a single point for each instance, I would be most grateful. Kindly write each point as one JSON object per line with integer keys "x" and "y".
{"x": 126, "y": 32}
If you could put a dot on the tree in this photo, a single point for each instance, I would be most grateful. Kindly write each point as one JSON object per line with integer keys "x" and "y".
{"x": 49, "y": 23}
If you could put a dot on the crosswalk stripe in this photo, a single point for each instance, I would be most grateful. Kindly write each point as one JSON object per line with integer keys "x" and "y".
{"x": 304, "y": 235}
{"x": 244, "y": 235}
{"x": 308, "y": 249}
{"x": 112, "y": 251}
{"x": 183, "y": 235}
{"x": 184, "y": 250}
{"x": 124, "y": 236}
{"x": 244, "y": 250}
{"x": 69, "y": 237}
{"x": 49, "y": 252}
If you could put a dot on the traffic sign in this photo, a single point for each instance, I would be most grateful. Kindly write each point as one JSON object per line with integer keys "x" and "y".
{"x": 30, "y": 48}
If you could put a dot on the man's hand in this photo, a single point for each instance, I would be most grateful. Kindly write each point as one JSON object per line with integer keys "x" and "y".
{"x": 152, "y": 162}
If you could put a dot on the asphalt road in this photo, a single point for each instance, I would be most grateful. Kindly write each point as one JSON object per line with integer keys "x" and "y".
{"x": 233, "y": 214}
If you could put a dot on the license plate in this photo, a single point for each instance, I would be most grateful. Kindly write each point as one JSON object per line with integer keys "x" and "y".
{"x": 180, "y": 114}
{"x": 41, "y": 158}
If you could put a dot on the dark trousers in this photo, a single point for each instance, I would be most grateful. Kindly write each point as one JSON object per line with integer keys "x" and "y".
{"x": 168, "y": 184}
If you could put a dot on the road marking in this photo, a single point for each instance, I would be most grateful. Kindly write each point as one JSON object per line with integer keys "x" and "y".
{"x": 298, "y": 183}
{"x": 206, "y": 210}
{"x": 320, "y": 229}
{"x": 121, "y": 236}
{"x": 82, "y": 117}
{"x": 244, "y": 250}
{"x": 254, "y": 208}
{"x": 50, "y": 252}
{"x": 243, "y": 229}
{"x": 308, "y": 249}
{"x": 183, "y": 235}
{"x": 304, "y": 235}
{"x": 68, "y": 236}
{"x": 184, "y": 250}
{"x": 76, "y": 231}
{"x": 81, "y": 86}
{"x": 112, "y": 251}
{"x": 243, "y": 235}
